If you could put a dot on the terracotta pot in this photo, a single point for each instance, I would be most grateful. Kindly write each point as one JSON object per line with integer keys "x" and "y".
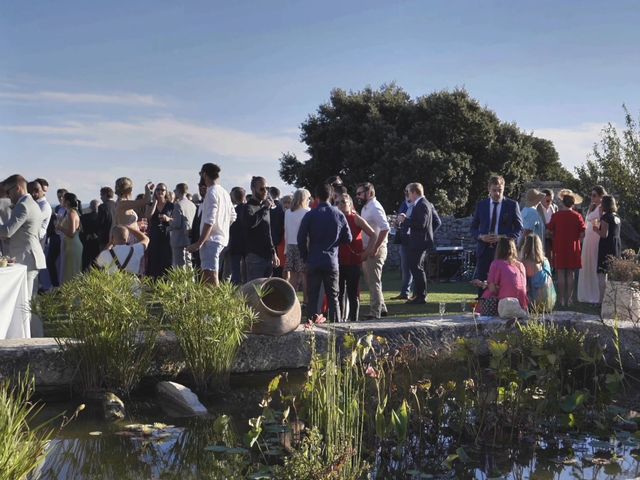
{"x": 622, "y": 301}
{"x": 276, "y": 303}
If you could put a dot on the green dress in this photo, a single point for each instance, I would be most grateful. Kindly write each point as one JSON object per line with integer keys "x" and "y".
{"x": 72, "y": 248}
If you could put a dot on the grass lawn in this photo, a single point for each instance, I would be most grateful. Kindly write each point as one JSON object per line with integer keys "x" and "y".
{"x": 452, "y": 294}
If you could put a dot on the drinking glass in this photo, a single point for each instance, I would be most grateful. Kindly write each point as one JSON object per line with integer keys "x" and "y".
{"x": 463, "y": 306}
{"x": 442, "y": 308}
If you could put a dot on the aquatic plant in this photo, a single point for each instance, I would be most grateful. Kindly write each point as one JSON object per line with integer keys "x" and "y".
{"x": 23, "y": 447}
{"x": 104, "y": 328}
{"x": 210, "y": 323}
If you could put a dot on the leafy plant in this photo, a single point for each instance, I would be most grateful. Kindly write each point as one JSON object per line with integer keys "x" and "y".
{"x": 23, "y": 448}
{"x": 103, "y": 327}
{"x": 210, "y": 323}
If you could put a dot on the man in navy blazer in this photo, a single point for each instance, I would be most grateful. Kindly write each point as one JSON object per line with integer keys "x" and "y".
{"x": 495, "y": 217}
{"x": 419, "y": 228}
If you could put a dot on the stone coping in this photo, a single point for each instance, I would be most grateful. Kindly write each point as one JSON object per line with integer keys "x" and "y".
{"x": 263, "y": 353}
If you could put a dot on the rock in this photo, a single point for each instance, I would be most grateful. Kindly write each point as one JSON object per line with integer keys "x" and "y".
{"x": 112, "y": 407}
{"x": 181, "y": 398}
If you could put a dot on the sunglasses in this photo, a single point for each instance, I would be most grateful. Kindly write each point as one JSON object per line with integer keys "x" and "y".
{"x": 161, "y": 189}
{"x": 361, "y": 192}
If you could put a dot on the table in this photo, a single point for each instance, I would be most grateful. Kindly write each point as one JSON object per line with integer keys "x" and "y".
{"x": 15, "y": 315}
{"x": 449, "y": 251}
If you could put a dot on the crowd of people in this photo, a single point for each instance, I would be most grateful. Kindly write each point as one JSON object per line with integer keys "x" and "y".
{"x": 518, "y": 248}
{"x": 320, "y": 243}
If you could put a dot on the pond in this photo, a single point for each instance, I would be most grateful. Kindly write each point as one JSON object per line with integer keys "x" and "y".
{"x": 191, "y": 448}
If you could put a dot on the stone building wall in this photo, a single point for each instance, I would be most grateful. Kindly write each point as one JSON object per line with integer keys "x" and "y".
{"x": 453, "y": 232}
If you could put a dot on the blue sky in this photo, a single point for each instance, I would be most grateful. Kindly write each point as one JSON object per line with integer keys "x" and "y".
{"x": 90, "y": 91}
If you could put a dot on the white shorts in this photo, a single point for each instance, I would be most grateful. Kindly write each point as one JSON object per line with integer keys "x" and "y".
{"x": 210, "y": 256}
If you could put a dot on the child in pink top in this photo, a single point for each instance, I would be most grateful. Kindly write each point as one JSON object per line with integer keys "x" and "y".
{"x": 507, "y": 277}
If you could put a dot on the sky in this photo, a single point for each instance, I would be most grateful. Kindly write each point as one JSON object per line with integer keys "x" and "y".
{"x": 92, "y": 91}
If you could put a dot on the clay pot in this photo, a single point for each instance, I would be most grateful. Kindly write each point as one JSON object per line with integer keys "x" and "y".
{"x": 276, "y": 303}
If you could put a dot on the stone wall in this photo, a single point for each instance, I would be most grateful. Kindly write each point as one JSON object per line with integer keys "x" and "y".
{"x": 262, "y": 353}
{"x": 453, "y": 232}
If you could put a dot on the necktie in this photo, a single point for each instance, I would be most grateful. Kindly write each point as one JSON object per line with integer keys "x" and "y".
{"x": 494, "y": 218}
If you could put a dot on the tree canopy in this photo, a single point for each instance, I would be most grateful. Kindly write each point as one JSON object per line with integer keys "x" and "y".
{"x": 446, "y": 140}
{"x": 615, "y": 164}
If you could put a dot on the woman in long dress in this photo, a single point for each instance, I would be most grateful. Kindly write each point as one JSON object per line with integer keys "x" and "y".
{"x": 71, "y": 244}
{"x": 588, "y": 284}
{"x": 159, "y": 255}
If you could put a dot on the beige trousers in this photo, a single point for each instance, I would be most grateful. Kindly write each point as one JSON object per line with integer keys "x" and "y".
{"x": 372, "y": 269}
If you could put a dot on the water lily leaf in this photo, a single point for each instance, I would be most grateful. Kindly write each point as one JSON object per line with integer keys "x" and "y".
{"x": 275, "y": 428}
{"x": 216, "y": 448}
{"x": 236, "y": 450}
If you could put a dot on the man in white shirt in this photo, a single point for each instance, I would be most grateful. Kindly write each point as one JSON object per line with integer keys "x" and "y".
{"x": 37, "y": 192}
{"x": 119, "y": 256}
{"x": 375, "y": 253}
{"x": 217, "y": 216}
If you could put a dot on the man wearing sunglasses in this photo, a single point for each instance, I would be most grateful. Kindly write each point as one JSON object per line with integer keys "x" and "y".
{"x": 261, "y": 255}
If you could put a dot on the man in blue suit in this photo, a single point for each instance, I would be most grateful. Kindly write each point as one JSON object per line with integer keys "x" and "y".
{"x": 419, "y": 228}
{"x": 495, "y": 217}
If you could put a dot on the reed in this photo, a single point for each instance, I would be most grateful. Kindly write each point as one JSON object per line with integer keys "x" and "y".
{"x": 22, "y": 447}
{"x": 210, "y": 324}
{"x": 103, "y": 327}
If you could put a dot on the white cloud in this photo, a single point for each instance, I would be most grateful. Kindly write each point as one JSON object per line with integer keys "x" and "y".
{"x": 163, "y": 133}
{"x": 573, "y": 144}
{"x": 127, "y": 99}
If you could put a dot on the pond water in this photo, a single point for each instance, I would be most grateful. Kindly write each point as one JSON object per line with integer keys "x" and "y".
{"x": 89, "y": 448}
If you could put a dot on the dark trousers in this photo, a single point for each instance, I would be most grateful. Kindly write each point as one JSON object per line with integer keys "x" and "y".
{"x": 415, "y": 259}
{"x": 483, "y": 262}
{"x": 348, "y": 297}
{"x": 329, "y": 279}
{"x": 52, "y": 259}
{"x": 238, "y": 268}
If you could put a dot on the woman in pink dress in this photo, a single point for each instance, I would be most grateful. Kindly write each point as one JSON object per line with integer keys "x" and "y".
{"x": 507, "y": 277}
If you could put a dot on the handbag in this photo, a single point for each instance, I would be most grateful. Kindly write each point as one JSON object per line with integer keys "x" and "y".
{"x": 488, "y": 307}
{"x": 544, "y": 296}
{"x": 509, "y": 307}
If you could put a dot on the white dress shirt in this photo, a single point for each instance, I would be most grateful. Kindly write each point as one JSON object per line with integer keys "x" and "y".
{"x": 374, "y": 215}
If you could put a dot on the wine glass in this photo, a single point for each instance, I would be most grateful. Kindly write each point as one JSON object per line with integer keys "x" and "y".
{"x": 463, "y": 306}
{"x": 442, "y": 308}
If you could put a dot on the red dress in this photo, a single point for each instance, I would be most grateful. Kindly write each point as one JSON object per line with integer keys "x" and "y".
{"x": 349, "y": 253}
{"x": 567, "y": 227}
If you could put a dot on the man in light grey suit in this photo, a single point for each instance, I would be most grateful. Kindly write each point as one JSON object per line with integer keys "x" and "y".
{"x": 184, "y": 210}
{"x": 5, "y": 215}
{"x": 23, "y": 228}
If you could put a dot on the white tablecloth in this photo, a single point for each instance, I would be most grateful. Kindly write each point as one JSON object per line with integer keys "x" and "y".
{"x": 15, "y": 316}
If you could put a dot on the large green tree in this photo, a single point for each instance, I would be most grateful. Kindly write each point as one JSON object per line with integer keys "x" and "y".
{"x": 445, "y": 140}
{"x": 614, "y": 163}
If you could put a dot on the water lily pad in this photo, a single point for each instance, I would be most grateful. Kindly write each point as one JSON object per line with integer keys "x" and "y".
{"x": 216, "y": 448}
{"x": 275, "y": 428}
{"x": 237, "y": 450}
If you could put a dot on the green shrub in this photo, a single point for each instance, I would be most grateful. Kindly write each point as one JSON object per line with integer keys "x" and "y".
{"x": 210, "y": 323}
{"x": 103, "y": 327}
{"x": 22, "y": 448}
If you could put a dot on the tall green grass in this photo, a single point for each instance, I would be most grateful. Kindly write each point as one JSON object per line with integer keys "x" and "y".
{"x": 335, "y": 393}
{"x": 210, "y": 324}
{"x": 22, "y": 448}
{"x": 103, "y": 327}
